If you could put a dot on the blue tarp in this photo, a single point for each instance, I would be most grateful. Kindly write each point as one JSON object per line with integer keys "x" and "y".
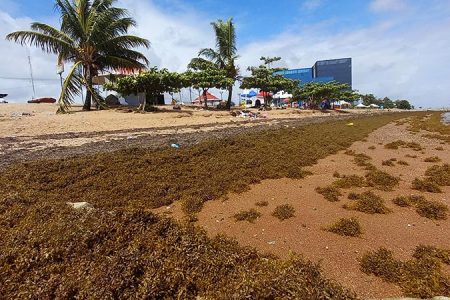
{"x": 249, "y": 95}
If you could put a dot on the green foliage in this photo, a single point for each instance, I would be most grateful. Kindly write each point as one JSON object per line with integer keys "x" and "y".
{"x": 315, "y": 92}
{"x": 225, "y": 54}
{"x": 93, "y": 37}
{"x": 247, "y": 215}
{"x": 283, "y": 212}
{"x": 421, "y": 277}
{"x": 399, "y": 143}
{"x": 346, "y": 227}
{"x": 153, "y": 82}
{"x": 204, "y": 75}
{"x": 403, "y": 104}
{"x": 267, "y": 80}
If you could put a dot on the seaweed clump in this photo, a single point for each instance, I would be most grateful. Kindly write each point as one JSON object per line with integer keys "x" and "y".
{"x": 331, "y": 193}
{"x": 421, "y": 277}
{"x": 381, "y": 180}
{"x": 368, "y": 203}
{"x": 346, "y": 227}
{"x": 247, "y": 215}
{"x": 284, "y": 212}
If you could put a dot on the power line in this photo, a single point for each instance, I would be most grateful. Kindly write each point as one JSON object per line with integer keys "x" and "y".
{"x": 28, "y": 79}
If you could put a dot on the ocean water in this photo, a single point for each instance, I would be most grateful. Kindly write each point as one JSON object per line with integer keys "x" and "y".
{"x": 446, "y": 118}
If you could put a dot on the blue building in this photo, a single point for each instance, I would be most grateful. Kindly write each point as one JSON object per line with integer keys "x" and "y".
{"x": 323, "y": 71}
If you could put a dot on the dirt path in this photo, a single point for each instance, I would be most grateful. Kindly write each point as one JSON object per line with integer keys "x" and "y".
{"x": 401, "y": 231}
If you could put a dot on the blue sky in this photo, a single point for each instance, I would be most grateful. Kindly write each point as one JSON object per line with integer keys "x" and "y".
{"x": 398, "y": 46}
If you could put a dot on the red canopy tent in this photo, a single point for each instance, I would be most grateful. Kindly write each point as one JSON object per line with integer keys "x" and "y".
{"x": 209, "y": 97}
{"x": 264, "y": 94}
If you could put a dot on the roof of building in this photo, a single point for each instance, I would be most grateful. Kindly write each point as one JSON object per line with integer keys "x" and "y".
{"x": 209, "y": 97}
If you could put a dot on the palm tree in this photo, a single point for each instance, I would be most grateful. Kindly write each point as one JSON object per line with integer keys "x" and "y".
{"x": 94, "y": 37}
{"x": 225, "y": 54}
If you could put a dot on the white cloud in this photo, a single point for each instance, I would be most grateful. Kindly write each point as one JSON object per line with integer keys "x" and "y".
{"x": 388, "y": 5}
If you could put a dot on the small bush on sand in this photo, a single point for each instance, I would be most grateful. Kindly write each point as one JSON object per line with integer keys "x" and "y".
{"x": 262, "y": 203}
{"x": 283, "y": 212}
{"x": 411, "y": 156}
{"x": 247, "y": 215}
{"x": 331, "y": 193}
{"x": 362, "y": 160}
{"x": 336, "y": 174}
{"x": 346, "y": 227}
{"x": 433, "y": 159}
{"x": 372, "y": 148}
{"x": 421, "y": 277}
{"x": 440, "y": 148}
{"x": 381, "y": 180}
{"x": 432, "y": 210}
{"x": 430, "y": 251}
{"x": 403, "y": 163}
{"x": 439, "y": 174}
{"x": 369, "y": 203}
{"x": 425, "y": 185}
{"x": 349, "y": 181}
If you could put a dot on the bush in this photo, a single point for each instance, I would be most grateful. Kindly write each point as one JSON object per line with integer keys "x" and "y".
{"x": 247, "y": 215}
{"x": 430, "y": 251}
{"x": 403, "y": 163}
{"x": 283, "y": 212}
{"x": 389, "y": 163}
{"x": 346, "y": 227}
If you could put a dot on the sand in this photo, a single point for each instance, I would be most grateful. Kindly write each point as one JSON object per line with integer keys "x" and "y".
{"x": 400, "y": 231}
{"x": 41, "y": 119}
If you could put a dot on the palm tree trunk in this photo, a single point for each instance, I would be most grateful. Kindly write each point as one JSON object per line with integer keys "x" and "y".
{"x": 230, "y": 96}
{"x": 88, "y": 99}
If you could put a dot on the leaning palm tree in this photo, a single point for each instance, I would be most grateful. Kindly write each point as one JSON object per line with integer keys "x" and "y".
{"x": 94, "y": 37}
{"x": 225, "y": 54}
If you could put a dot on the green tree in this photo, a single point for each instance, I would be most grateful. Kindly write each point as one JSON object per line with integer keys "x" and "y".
{"x": 152, "y": 82}
{"x": 403, "y": 104}
{"x": 94, "y": 37}
{"x": 315, "y": 92}
{"x": 204, "y": 75}
{"x": 371, "y": 99}
{"x": 388, "y": 103}
{"x": 267, "y": 80}
{"x": 225, "y": 54}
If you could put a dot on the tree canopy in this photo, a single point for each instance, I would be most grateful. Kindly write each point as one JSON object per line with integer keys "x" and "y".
{"x": 315, "y": 92}
{"x": 94, "y": 37}
{"x": 203, "y": 74}
{"x": 266, "y": 79}
{"x": 153, "y": 82}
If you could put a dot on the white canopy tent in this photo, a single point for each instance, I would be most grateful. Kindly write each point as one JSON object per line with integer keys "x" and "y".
{"x": 361, "y": 106}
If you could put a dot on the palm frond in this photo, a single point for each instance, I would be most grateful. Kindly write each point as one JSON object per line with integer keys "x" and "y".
{"x": 71, "y": 88}
{"x": 46, "y": 42}
{"x": 125, "y": 41}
